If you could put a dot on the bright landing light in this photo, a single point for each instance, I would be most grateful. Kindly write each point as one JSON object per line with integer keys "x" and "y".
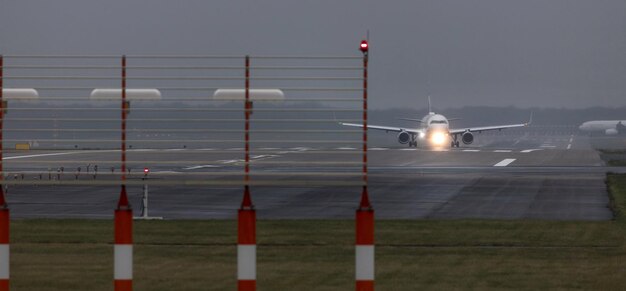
{"x": 438, "y": 138}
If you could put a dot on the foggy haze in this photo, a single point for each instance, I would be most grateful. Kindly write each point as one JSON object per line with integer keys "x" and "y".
{"x": 560, "y": 53}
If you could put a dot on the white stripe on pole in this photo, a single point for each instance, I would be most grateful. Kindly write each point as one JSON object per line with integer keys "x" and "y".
{"x": 123, "y": 258}
{"x": 246, "y": 262}
{"x": 364, "y": 262}
{"x": 4, "y": 261}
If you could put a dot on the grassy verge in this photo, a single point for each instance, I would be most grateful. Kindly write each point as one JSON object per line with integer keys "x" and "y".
{"x": 319, "y": 254}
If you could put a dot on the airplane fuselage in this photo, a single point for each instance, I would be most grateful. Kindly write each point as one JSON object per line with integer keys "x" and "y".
{"x": 609, "y": 127}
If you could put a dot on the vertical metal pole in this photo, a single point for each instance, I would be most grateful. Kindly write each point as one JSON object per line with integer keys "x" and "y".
{"x": 365, "y": 213}
{"x": 4, "y": 209}
{"x": 145, "y": 201}
{"x": 124, "y": 104}
{"x": 123, "y": 249}
{"x": 246, "y": 216}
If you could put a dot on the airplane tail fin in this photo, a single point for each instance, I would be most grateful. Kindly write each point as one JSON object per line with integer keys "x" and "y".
{"x": 530, "y": 120}
{"x": 430, "y": 109}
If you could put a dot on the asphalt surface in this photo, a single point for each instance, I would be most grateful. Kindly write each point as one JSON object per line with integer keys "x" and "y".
{"x": 538, "y": 173}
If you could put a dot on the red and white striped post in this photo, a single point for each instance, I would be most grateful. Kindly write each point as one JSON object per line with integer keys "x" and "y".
{"x": 365, "y": 213}
{"x": 246, "y": 218}
{"x": 4, "y": 209}
{"x": 123, "y": 250}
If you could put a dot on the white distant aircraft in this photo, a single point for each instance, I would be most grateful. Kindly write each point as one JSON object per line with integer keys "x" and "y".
{"x": 435, "y": 130}
{"x": 609, "y": 127}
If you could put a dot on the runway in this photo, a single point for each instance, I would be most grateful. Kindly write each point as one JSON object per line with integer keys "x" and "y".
{"x": 541, "y": 173}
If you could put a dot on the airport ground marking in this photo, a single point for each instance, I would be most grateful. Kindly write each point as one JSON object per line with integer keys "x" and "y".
{"x": 502, "y": 151}
{"x": 473, "y": 151}
{"x": 529, "y": 150}
{"x": 504, "y": 163}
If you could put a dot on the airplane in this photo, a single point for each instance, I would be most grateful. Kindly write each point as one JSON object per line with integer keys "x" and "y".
{"x": 609, "y": 127}
{"x": 435, "y": 129}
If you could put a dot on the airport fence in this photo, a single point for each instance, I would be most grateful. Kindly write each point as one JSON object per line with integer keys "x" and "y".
{"x": 193, "y": 121}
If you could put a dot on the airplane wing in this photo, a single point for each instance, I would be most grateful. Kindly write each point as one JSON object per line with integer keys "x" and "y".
{"x": 486, "y": 128}
{"x": 385, "y": 128}
{"x": 493, "y": 127}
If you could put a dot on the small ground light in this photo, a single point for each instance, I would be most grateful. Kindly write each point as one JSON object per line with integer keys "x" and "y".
{"x": 364, "y": 46}
{"x": 146, "y": 171}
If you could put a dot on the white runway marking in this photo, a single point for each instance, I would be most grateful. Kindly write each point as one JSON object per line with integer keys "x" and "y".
{"x": 502, "y": 151}
{"x": 235, "y": 149}
{"x": 378, "y": 149}
{"x": 208, "y": 149}
{"x": 504, "y": 163}
{"x": 569, "y": 146}
{"x": 530, "y": 150}
{"x": 546, "y": 146}
{"x": 300, "y": 149}
{"x": 474, "y": 151}
{"x": 345, "y": 148}
{"x": 269, "y": 149}
{"x": 408, "y": 149}
{"x": 40, "y": 155}
{"x": 200, "y": 167}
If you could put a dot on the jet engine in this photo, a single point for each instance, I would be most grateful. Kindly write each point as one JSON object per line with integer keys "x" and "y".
{"x": 467, "y": 137}
{"x": 611, "y": 131}
{"x": 404, "y": 137}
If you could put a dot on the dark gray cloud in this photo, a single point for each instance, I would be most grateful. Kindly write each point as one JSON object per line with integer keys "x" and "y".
{"x": 558, "y": 53}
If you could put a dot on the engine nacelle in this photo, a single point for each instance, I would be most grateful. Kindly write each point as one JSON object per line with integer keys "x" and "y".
{"x": 611, "y": 131}
{"x": 404, "y": 137}
{"x": 467, "y": 137}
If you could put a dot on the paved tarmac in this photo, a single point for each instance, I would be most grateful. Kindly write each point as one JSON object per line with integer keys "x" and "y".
{"x": 537, "y": 173}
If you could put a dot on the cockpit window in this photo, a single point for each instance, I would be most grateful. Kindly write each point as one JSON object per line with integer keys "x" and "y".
{"x": 438, "y": 122}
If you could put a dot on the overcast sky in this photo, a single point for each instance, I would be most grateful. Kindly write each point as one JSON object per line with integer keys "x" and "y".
{"x": 545, "y": 53}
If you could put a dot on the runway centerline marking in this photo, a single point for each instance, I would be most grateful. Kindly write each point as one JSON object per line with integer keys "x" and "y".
{"x": 473, "y": 151}
{"x": 502, "y": 151}
{"x": 504, "y": 163}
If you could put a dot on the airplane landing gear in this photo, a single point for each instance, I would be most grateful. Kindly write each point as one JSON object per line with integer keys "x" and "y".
{"x": 413, "y": 142}
{"x": 455, "y": 142}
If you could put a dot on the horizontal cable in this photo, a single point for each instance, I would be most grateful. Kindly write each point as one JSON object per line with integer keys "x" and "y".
{"x": 130, "y": 119}
{"x": 183, "y": 67}
{"x": 190, "y": 151}
{"x": 184, "y": 141}
{"x": 174, "y": 57}
{"x": 195, "y": 99}
{"x": 207, "y": 88}
{"x": 152, "y": 130}
{"x": 187, "y": 78}
{"x": 231, "y": 162}
{"x": 187, "y": 182}
{"x": 69, "y": 175}
{"x": 187, "y": 109}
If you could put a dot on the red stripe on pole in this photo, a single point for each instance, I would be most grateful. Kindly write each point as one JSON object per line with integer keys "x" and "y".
{"x": 123, "y": 220}
{"x": 123, "y": 285}
{"x": 247, "y": 227}
{"x": 365, "y": 227}
{"x": 4, "y": 284}
{"x": 246, "y": 285}
{"x": 365, "y": 285}
{"x": 123, "y": 226}
{"x": 247, "y": 220}
{"x": 4, "y": 226}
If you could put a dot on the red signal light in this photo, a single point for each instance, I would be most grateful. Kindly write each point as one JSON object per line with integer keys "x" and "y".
{"x": 146, "y": 171}
{"x": 364, "y": 46}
